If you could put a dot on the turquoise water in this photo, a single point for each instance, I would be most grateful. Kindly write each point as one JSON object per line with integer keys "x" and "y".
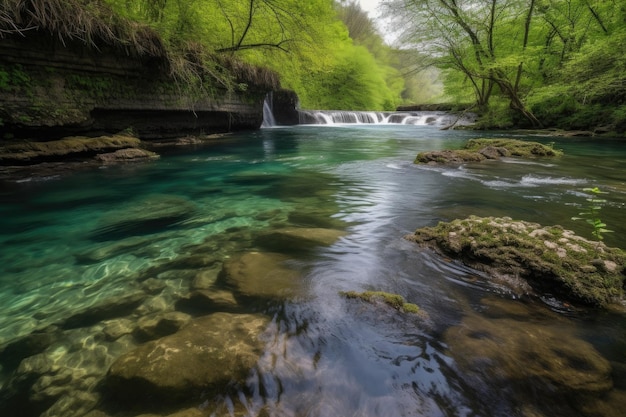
{"x": 74, "y": 241}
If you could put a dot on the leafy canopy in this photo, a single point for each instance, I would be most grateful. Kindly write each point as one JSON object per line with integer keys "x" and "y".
{"x": 307, "y": 43}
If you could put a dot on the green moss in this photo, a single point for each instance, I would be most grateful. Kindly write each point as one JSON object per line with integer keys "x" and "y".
{"x": 515, "y": 147}
{"x": 394, "y": 300}
{"x": 57, "y": 149}
{"x": 14, "y": 78}
{"x": 551, "y": 259}
{"x": 477, "y": 150}
{"x": 96, "y": 86}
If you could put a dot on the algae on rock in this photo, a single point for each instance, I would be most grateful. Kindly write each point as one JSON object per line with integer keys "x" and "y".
{"x": 393, "y": 300}
{"x": 477, "y": 150}
{"x": 550, "y": 259}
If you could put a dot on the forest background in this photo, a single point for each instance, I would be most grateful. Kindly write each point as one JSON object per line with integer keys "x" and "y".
{"x": 519, "y": 63}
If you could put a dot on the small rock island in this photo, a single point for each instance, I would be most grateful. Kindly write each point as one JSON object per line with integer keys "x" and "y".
{"x": 532, "y": 259}
{"x": 478, "y": 150}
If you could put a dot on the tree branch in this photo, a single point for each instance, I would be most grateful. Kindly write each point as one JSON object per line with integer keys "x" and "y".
{"x": 242, "y": 47}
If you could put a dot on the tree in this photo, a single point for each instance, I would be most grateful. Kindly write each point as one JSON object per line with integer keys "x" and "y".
{"x": 467, "y": 36}
{"x": 536, "y": 54}
{"x": 305, "y": 42}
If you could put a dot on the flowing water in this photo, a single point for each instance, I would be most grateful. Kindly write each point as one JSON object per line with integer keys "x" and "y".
{"x": 76, "y": 241}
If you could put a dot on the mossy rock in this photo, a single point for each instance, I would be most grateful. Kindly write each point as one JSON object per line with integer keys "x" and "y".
{"x": 549, "y": 259}
{"x": 32, "y": 151}
{"x": 515, "y": 147}
{"x": 478, "y": 150}
{"x": 393, "y": 300}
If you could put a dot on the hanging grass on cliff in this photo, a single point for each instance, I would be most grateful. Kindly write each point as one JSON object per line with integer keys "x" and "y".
{"x": 97, "y": 25}
{"x": 91, "y": 22}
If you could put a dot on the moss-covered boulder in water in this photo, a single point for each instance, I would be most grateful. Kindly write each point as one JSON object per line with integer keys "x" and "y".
{"x": 377, "y": 297}
{"x": 549, "y": 259}
{"x": 261, "y": 275}
{"x": 206, "y": 356}
{"x": 477, "y": 150}
{"x": 33, "y": 151}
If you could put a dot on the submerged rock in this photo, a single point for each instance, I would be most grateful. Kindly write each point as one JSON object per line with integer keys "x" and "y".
{"x": 527, "y": 356}
{"x": 110, "y": 308}
{"x": 549, "y": 259}
{"x": 477, "y": 150}
{"x": 293, "y": 239}
{"x": 210, "y": 300}
{"x": 395, "y": 301}
{"x": 259, "y": 274}
{"x": 12, "y": 353}
{"x": 61, "y": 381}
{"x": 114, "y": 329}
{"x": 149, "y": 215}
{"x": 207, "y": 355}
{"x": 159, "y": 325}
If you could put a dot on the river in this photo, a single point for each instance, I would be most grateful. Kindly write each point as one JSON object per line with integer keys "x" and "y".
{"x": 74, "y": 241}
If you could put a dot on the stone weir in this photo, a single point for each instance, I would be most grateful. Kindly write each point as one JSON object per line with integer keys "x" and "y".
{"x": 52, "y": 87}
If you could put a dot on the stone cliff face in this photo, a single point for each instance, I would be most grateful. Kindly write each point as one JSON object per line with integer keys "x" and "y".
{"x": 50, "y": 89}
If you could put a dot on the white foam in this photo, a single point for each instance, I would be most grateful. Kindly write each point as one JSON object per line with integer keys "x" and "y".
{"x": 532, "y": 181}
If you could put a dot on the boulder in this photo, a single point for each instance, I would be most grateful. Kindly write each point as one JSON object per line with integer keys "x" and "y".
{"x": 107, "y": 250}
{"x": 12, "y": 353}
{"x": 159, "y": 325}
{"x": 528, "y": 356}
{"x": 209, "y": 300}
{"x": 493, "y": 152}
{"x": 205, "y": 278}
{"x": 148, "y": 215}
{"x": 294, "y": 239}
{"x": 261, "y": 274}
{"x": 549, "y": 260}
{"x": 114, "y": 329}
{"x": 108, "y": 309}
{"x": 477, "y": 150}
{"x": 513, "y": 147}
{"x": 448, "y": 157}
{"x": 153, "y": 286}
{"x": 207, "y": 355}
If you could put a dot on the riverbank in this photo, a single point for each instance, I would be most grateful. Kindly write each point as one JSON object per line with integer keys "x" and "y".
{"x": 25, "y": 160}
{"x": 90, "y": 72}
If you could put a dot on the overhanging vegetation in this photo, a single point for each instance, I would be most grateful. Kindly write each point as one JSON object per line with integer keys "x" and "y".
{"x": 96, "y": 24}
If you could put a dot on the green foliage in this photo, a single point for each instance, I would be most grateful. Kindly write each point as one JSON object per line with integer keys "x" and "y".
{"x": 591, "y": 214}
{"x": 98, "y": 86}
{"x": 13, "y": 77}
{"x": 4, "y": 79}
{"x": 556, "y": 63}
{"x": 304, "y": 42}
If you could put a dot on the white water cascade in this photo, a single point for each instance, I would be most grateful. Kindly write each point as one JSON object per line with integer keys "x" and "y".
{"x": 440, "y": 119}
{"x": 417, "y": 118}
{"x": 268, "y": 115}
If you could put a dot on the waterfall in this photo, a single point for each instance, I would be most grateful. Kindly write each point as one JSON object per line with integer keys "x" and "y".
{"x": 417, "y": 118}
{"x": 268, "y": 114}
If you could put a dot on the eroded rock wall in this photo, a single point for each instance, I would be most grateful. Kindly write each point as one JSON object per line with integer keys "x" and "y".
{"x": 51, "y": 88}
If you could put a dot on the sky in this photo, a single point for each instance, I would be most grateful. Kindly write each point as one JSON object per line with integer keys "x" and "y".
{"x": 370, "y": 6}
